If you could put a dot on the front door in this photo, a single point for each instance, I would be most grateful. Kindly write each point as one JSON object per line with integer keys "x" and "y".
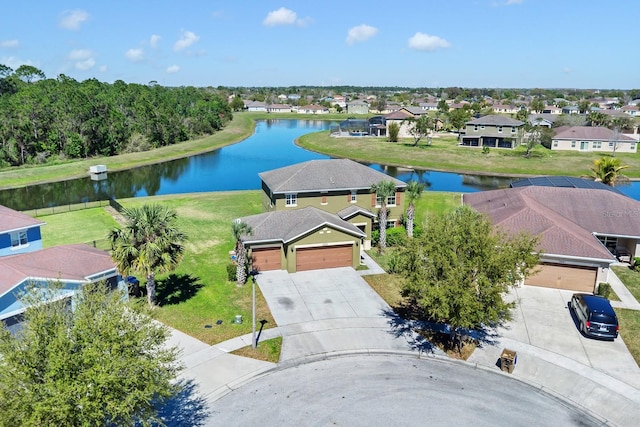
{"x": 584, "y": 145}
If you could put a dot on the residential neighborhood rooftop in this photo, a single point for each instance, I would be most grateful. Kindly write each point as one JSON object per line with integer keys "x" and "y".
{"x": 13, "y": 220}
{"x": 326, "y": 174}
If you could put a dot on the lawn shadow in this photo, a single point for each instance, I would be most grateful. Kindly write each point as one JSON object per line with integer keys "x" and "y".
{"x": 185, "y": 408}
{"x": 176, "y": 289}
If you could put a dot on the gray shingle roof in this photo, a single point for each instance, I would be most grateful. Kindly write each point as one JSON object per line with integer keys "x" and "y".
{"x": 495, "y": 120}
{"x": 288, "y": 225}
{"x": 352, "y": 210}
{"x": 565, "y": 218}
{"x": 324, "y": 175}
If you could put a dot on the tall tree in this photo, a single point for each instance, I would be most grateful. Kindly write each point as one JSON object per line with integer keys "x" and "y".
{"x": 420, "y": 127}
{"x": 458, "y": 118}
{"x": 537, "y": 105}
{"x": 583, "y": 106}
{"x": 414, "y": 191}
{"x": 237, "y": 104}
{"x": 29, "y": 73}
{"x": 104, "y": 362}
{"x": 598, "y": 118}
{"x": 608, "y": 171}
{"x": 459, "y": 270}
{"x": 383, "y": 190}
{"x": 149, "y": 243}
{"x": 240, "y": 229}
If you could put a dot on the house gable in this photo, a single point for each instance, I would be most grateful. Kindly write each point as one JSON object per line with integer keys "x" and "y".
{"x": 19, "y": 232}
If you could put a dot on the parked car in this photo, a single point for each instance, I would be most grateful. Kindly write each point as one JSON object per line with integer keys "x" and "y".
{"x": 622, "y": 254}
{"x": 595, "y": 315}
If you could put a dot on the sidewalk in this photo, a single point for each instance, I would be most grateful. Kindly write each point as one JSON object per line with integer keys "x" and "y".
{"x": 627, "y": 300}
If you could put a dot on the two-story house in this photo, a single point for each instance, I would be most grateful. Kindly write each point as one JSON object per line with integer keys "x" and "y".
{"x": 19, "y": 232}
{"x": 318, "y": 214}
{"x": 358, "y": 107}
{"x": 25, "y": 264}
{"x": 493, "y": 131}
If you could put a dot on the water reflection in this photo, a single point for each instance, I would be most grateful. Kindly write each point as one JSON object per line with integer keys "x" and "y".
{"x": 235, "y": 167}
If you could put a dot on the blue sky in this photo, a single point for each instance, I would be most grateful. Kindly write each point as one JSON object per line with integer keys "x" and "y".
{"x": 467, "y": 43}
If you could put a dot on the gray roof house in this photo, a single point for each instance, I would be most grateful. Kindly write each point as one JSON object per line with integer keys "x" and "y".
{"x": 318, "y": 214}
{"x": 579, "y": 228}
{"x": 493, "y": 131}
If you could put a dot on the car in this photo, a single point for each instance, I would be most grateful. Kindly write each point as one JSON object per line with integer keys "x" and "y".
{"x": 595, "y": 316}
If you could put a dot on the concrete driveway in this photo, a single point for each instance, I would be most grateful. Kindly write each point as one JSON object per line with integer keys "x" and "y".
{"x": 543, "y": 319}
{"x": 332, "y": 310}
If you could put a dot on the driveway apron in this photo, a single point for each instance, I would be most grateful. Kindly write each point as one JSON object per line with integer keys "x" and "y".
{"x": 323, "y": 311}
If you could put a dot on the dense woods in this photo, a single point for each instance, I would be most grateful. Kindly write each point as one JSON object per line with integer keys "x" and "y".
{"x": 43, "y": 119}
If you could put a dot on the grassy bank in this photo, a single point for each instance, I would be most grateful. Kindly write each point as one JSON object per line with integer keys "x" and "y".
{"x": 444, "y": 154}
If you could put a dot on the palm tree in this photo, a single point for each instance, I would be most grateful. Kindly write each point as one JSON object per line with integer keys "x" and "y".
{"x": 383, "y": 190}
{"x": 414, "y": 191}
{"x": 148, "y": 243}
{"x": 240, "y": 229}
{"x": 607, "y": 170}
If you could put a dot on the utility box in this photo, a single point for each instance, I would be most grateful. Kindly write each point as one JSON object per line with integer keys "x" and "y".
{"x": 508, "y": 360}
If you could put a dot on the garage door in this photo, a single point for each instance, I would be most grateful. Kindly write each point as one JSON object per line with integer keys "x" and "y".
{"x": 265, "y": 259}
{"x": 324, "y": 257}
{"x": 579, "y": 279}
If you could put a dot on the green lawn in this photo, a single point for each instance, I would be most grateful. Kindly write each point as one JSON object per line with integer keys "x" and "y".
{"x": 71, "y": 227}
{"x": 630, "y": 278}
{"x": 444, "y": 154}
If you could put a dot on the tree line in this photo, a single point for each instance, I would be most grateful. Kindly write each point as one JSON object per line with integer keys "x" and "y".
{"x": 43, "y": 119}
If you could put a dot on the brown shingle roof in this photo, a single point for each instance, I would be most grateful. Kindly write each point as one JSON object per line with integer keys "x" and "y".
{"x": 13, "y": 220}
{"x": 590, "y": 133}
{"x": 565, "y": 218}
{"x": 324, "y": 175}
{"x": 286, "y": 226}
{"x": 68, "y": 262}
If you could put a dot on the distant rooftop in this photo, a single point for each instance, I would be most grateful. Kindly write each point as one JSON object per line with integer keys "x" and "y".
{"x": 563, "y": 181}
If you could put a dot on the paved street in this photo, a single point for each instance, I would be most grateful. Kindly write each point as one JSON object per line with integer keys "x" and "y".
{"x": 387, "y": 390}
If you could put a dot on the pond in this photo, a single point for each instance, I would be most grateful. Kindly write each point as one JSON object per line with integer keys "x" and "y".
{"x": 234, "y": 167}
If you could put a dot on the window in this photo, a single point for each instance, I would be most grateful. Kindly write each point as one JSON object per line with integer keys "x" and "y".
{"x": 611, "y": 144}
{"x": 19, "y": 238}
{"x": 475, "y": 128}
{"x": 513, "y": 129}
{"x": 391, "y": 223}
{"x": 354, "y": 197}
{"x": 481, "y": 126}
{"x": 555, "y": 143}
{"x": 597, "y": 144}
{"x": 573, "y": 144}
{"x": 499, "y": 129}
{"x": 291, "y": 200}
{"x": 391, "y": 200}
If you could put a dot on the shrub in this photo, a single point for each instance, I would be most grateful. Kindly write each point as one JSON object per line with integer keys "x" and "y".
{"x": 394, "y": 262}
{"x": 396, "y": 236}
{"x": 375, "y": 238}
{"x": 604, "y": 290}
{"x": 485, "y": 150}
{"x": 231, "y": 272}
{"x": 636, "y": 263}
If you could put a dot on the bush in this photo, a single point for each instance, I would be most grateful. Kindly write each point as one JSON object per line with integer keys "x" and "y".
{"x": 394, "y": 262}
{"x": 396, "y": 236}
{"x": 604, "y": 290}
{"x": 636, "y": 264}
{"x": 485, "y": 150}
{"x": 375, "y": 238}
{"x": 231, "y": 272}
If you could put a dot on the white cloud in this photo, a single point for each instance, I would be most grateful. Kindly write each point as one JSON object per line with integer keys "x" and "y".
{"x": 78, "y": 54}
{"x": 154, "y": 40}
{"x": 103, "y": 68}
{"x": 71, "y": 19}
{"x": 9, "y": 43}
{"x": 13, "y": 62}
{"x": 426, "y": 42}
{"x": 282, "y": 16}
{"x": 86, "y": 64}
{"x": 135, "y": 55}
{"x": 361, "y": 33}
{"x": 188, "y": 38}
{"x": 173, "y": 69}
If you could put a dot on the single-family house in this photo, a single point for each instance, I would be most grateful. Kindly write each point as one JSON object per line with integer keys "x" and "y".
{"x": 592, "y": 138}
{"x": 357, "y": 107}
{"x": 494, "y": 131}
{"x": 429, "y": 106}
{"x": 403, "y": 118}
{"x": 72, "y": 266}
{"x": 256, "y": 106}
{"x": 19, "y": 232}
{"x": 313, "y": 109}
{"x": 278, "y": 108}
{"x": 578, "y": 229}
{"x": 545, "y": 119}
{"x": 552, "y": 109}
{"x": 570, "y": 109}
{"x": 318, "y": 214}
{"x": 505, "y": 109}
{"x": 631, "y": 110}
